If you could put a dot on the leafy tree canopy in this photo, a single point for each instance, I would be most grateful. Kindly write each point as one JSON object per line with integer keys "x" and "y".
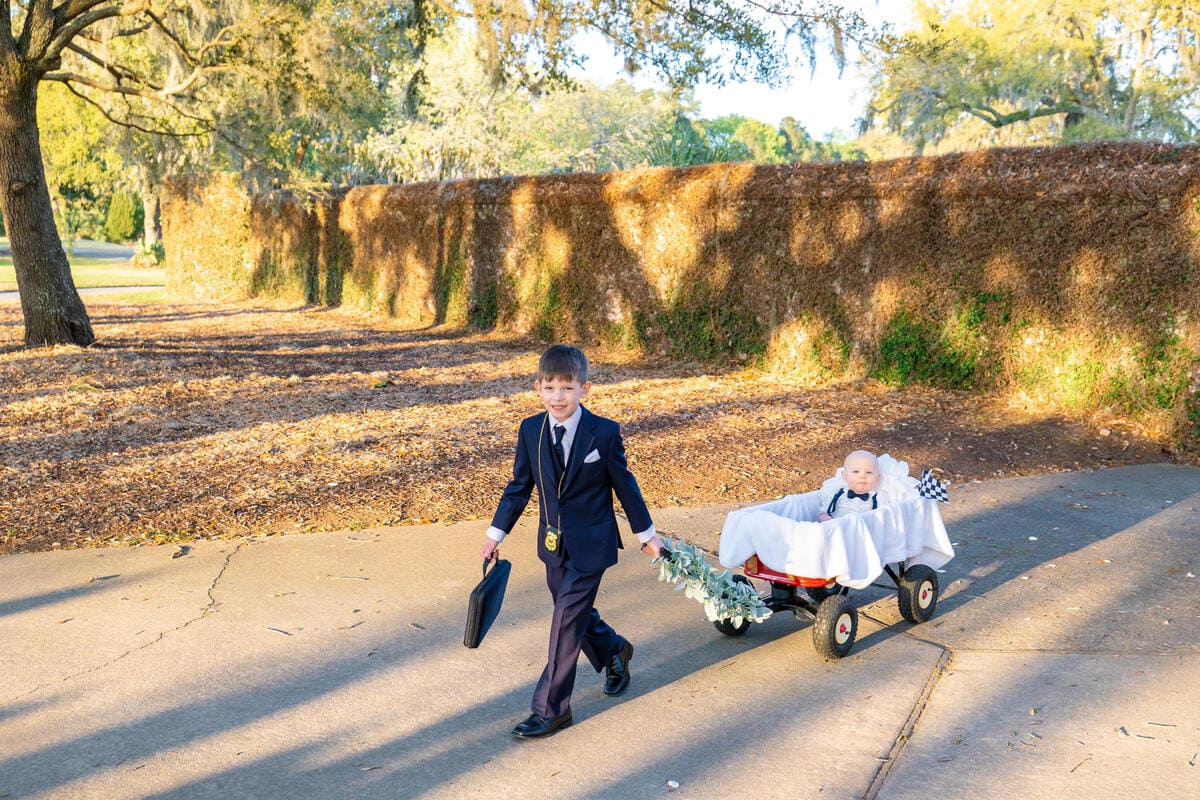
{"x": 81, "y": 161}
{"x": 681, "y": 40}
{"x": 279, "y": 90}
{"x": 1059, "y": 70}
{"x": 482, "y": 99}
{"x": 283, "y": 90}
{"x": 465, "y": 125}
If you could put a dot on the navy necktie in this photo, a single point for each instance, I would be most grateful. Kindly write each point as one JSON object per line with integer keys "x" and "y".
{"x": 559, "y": 432}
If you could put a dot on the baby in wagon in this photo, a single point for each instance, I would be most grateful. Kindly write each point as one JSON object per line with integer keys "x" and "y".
{"x": 828, "y": 534}
{"x": 857, "y": 485}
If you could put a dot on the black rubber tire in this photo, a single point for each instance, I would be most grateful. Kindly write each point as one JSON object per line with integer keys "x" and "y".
{"x": 726, "y": 626}
{"x": 835, "y": 627}
{"x": 918, "y": 594}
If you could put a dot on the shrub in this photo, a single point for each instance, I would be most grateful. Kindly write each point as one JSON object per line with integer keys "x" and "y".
{"x": 145, "y": 255}
{"x": 915, "y": 350}
{"x": 124, "y": 220}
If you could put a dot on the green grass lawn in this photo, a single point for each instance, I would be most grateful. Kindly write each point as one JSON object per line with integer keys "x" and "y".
{"x": 137, "y": 296}
{"x": 91, "y": 272}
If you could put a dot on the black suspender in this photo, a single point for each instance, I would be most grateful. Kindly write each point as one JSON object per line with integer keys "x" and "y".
{"x": 842, "y": 491}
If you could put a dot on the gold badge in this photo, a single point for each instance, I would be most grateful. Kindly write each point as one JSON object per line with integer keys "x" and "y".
{"x": 551, "y": 540}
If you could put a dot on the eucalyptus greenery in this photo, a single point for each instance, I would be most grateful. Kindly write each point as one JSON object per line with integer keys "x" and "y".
{"x": 723, "y": 598}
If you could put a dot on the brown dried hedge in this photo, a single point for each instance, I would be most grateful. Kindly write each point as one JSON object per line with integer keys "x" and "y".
{"x": 1067, "y": 276}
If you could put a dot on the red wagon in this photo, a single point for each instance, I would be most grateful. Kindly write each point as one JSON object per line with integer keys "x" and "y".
{"x": 815, "y": 565}
{"x": 828, "y": 605}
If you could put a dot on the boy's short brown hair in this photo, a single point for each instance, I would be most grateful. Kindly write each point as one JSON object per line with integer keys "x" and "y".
{"x": 563, "y": 361}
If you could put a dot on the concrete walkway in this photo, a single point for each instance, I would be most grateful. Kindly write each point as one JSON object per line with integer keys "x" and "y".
{"x": 85, "y": 248}
{"x": 1064, "y": 661}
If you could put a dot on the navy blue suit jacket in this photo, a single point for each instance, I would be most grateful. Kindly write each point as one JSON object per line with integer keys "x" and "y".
{"x": 583, "y": 512}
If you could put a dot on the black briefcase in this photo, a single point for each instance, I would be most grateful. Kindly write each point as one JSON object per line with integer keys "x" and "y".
{"x": 485, "y": 601}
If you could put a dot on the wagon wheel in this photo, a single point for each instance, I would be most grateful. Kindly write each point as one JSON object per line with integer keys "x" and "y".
{"x": 835, "y": 626}
{"x": 726, "y": 626}
{"x": 918, "y": 593}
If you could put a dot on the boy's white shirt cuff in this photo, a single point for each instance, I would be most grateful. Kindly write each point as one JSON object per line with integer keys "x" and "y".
{"x": 498, "y": 535}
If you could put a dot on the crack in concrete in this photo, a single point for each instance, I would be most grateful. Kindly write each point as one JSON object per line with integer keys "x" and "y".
{"x": 926, "y": 697}
{"x": 208, "y": 608}
{"x": 212, "y": 600}
{"x": 914, "y": 717}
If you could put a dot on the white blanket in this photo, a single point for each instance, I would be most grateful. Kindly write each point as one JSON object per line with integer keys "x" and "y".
{"x": 854, "y": 549}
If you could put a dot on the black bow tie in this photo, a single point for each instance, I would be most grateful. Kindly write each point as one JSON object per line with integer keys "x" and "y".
{"x": 851, "y": 494}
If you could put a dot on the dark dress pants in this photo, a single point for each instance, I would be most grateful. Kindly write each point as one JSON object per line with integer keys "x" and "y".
{"x": 576, "y": 626}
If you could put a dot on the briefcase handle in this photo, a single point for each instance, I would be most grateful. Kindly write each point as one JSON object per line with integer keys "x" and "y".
{"x": 493, "y": 561}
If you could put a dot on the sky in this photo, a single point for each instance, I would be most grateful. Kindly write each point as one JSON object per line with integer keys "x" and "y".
{"x": 823, "y": 102}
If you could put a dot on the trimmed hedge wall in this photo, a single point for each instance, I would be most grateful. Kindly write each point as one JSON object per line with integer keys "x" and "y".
{"x": 1067, "y": 275}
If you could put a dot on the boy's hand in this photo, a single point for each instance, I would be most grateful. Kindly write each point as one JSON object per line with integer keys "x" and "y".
{"x": 488, "y": 551}
{"x": 653, "y": 547}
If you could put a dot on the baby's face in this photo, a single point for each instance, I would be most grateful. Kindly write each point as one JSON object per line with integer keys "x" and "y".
{"x": 860, "y": 474}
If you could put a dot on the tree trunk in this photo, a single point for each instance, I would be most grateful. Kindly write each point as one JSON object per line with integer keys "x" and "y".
{"x": 1139, "y": 72}
{"x": 54, "y": 314}
{"x": 151, "y": 224}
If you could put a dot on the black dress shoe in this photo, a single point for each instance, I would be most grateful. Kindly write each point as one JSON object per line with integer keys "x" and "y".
{"x": 538, "y": 725}
{"x": 617, "y": 672}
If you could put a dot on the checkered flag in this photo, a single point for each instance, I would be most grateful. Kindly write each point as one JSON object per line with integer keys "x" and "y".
{"x": 933, "y": 489}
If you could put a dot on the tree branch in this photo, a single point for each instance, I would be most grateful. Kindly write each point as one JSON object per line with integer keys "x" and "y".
{"x": 123, "y": 33}
{"x": 8, "y": 45}
{"x": 194, "y": 60}
{"x": 72, "y": 26}
{"x": 115, "y": 87}
{"x": 204, "y": 125}
{"x": 91, "y": 38}
{"x": 218, "y": 41}
{"x": 998, "y": 120}
{"x": 849, "y": 27}
{"x": 39, "y": 18}
{"x": 127, "y": 123}
{"x": 73, "y": 8}
{"x": 180, "y": 88}
{"x": 171, "y": 37}
{"x": 116, "y": 70}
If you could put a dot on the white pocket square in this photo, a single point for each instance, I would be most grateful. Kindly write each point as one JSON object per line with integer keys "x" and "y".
{"x": 592, "y": 457}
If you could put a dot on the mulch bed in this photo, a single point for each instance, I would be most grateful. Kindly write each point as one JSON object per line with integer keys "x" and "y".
{"x": 188, "y": 421}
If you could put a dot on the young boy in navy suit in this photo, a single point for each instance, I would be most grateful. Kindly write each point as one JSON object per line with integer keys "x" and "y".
{"x": 577, "y": 462}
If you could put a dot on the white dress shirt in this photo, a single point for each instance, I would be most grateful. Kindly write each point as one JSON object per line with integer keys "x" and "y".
{"x": 847, "y": 506}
